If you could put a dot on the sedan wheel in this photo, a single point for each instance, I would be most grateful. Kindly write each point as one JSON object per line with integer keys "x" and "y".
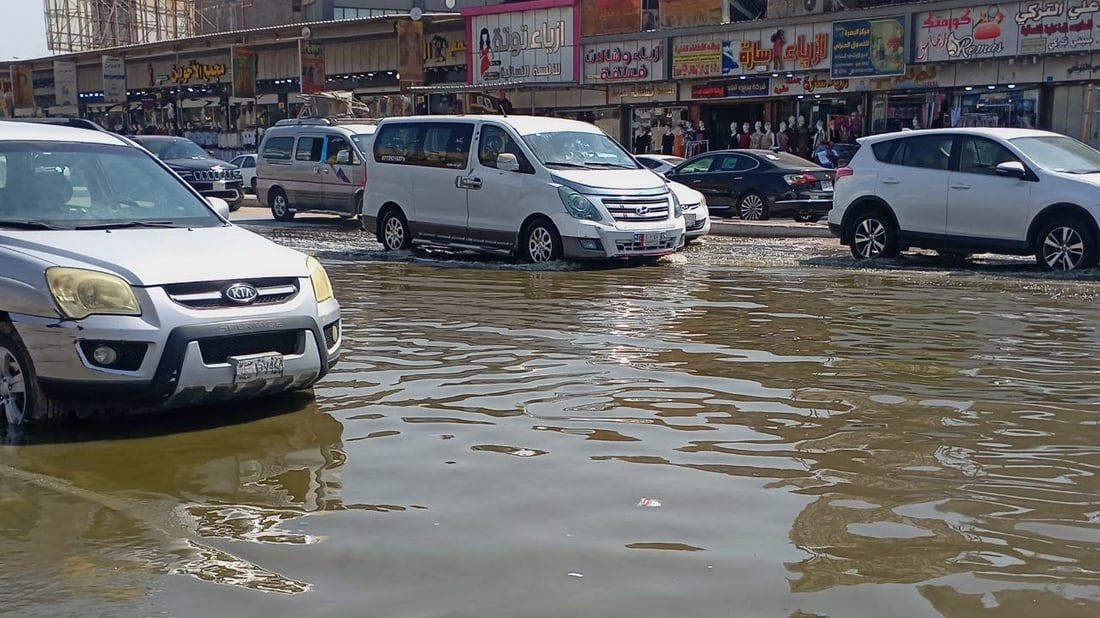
{"x": 1066, "y": 245}
{"x": 874, "y": 236}
{"x": 753, "y": 207}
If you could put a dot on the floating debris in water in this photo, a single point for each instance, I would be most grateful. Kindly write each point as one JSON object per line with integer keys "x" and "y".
{"x": 652, "y": 503}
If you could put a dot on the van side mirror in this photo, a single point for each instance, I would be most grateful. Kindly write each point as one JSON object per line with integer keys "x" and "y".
{"x": 1012, "y": 169}
{"x": 507, "y": 162}
{"x": 343, "y": 157}
{"x": 220, "y": 206}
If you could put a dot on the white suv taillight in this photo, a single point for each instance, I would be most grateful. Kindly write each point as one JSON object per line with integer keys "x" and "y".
{"x": 844, "y": 171}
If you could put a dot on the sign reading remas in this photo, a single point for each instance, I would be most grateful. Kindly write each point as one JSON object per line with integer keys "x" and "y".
{"x": 528, "y": 42}
{"x": 636, "y": 61}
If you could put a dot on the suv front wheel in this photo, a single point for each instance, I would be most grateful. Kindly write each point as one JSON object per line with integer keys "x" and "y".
{"x": 21, "y": 398}
{"x": 1066, "y": 244}
{"x": 874, "y": 235}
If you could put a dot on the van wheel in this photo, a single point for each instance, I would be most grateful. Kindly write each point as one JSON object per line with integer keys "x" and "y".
{"x": 22, "y": 401}
{"x": 1066, "y": 244}
{"x": 874, "y": 236}
{"x": 280, "y": 207}
{"x": 541, "y": 242}
{"x": 393, "y": 231}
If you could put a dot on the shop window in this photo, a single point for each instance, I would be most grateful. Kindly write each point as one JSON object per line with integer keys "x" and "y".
{"x": 278, "y": 148}
{"x": 309, "y": 149}
{"x": 929, "y": 152}
{"x": 982, "y": 156}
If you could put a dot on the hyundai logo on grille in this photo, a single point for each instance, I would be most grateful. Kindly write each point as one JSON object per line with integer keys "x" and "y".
{"x": 241, "y": 293}
{"x": 642, "y": 210}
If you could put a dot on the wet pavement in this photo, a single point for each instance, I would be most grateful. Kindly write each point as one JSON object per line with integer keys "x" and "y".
{"x": 750, "y": 428}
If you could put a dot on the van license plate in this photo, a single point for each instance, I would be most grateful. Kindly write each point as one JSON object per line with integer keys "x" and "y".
{"x": 256, "y": 367}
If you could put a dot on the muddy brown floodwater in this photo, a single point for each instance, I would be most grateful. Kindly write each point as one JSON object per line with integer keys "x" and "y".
{"x": 713, "y": 436}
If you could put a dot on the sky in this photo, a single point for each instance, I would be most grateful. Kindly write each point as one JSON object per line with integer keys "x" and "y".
{"x": 22, "y": 29}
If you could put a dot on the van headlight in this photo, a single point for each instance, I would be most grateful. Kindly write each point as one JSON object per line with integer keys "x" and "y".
{"x": 677, "y": 208}
{"x": 578, "y": 206}
{"x": 322, "y": 287}
{"x": 80, "y": 293}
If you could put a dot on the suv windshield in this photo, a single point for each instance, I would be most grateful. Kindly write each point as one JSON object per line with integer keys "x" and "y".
{"x": 49, "y": 185}
{"x": 1059, "y": 154}
{"x": 579, "y": 149}
{"x": 175, "y": 149}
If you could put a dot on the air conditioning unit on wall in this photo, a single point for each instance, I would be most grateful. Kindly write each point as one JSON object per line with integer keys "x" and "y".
{"x": 809, "y": 7}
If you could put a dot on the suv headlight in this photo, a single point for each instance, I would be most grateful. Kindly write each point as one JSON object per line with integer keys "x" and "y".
{"x": 578, "y": 206}
{"x": 322, "y": 287}
{"x": 80, "y": 293}
{"x": 677, "y": 209}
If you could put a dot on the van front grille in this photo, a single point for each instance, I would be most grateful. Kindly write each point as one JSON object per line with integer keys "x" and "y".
{"x": 637, "y": 210}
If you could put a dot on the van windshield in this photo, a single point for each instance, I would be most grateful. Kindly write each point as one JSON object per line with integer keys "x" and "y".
{"x": 579, "y": 149}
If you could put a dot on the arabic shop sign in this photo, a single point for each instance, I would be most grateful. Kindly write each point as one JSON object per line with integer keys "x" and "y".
{"x": 445, "y": 49}
{"x": 696, "y": 59}
{"x": 639, "y": 61}
{"x": 750, "y": 87}
{"x": 527, "y": 46}
{"x": 812, "y": 83}
{"x": 796, "y": 48}
{"x": 869, "y": 47}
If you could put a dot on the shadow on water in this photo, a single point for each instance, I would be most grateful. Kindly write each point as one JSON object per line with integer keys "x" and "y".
{"x": 100, "y": 509}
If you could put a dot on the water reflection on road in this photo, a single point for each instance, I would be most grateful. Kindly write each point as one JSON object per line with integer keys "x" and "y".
{"x": 821, "y": 440}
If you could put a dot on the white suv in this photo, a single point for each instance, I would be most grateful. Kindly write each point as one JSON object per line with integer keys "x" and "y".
{"x": 959, "y": 191}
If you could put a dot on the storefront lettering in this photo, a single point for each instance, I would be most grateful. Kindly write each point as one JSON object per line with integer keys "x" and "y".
{"x": 1082, "y": 67}
{"x": 1086, "y": 7}
{"x": 527, "y": 70}
{"x": 808, "y": 54}
{"x": 550, "y": 38}
{"x": 640, "y": 72}
{"x": 810, "y": 84}
{"x": 617, "y": 54}
{"x": 439, "y": 49}
{"x": 196, "y": 71}
{"x": 965, "y": 47}
{"x": 696, "y": 60}
{"x": 951, "y": 23}
{"x": 1049, "y": 29}
{"x": 708, "y": 91}
{"x": 1038, "y": 10}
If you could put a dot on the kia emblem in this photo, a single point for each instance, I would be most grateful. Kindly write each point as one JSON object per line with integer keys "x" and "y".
{"x": 241, "y": 293}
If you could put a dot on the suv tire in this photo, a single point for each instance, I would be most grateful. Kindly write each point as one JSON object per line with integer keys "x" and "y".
{"x": 280, "y": 207}
{"x": 874, "y": 235}
{"x": 21, "y": 398}
{"x": 1066, "y": 244}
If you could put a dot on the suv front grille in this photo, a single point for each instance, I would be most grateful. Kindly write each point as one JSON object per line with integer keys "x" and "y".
{"x": 217, "y": 350}
{"x": 211, "y": 175}
{"x": 637, "y": 210}
{"x": 208, "y": 294}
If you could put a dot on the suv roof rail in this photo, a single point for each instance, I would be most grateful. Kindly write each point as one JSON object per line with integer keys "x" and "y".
{"x": 76, "y": 123}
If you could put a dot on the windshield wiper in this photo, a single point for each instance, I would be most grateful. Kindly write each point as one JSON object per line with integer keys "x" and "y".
{"x": 126, "y": 224}
{"x": 1084, "y": 171}
{"x": 607, "y": 164}
{"x": 567, "y": 164}
{"x": 28, "y": 225}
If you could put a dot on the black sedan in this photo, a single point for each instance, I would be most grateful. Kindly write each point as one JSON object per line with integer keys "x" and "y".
{"x": 759, "y": 184}
{"x": 209, "y": 176}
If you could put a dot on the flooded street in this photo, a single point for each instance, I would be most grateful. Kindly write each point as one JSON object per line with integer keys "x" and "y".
{"x": 753, "y": 428}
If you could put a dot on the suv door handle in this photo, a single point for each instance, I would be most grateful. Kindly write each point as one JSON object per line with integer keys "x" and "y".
{"x": 891, "y": 181}
{"x": 959, "y": 185}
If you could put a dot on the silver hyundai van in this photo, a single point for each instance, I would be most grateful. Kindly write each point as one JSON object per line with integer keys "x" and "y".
{"x": 313, "y": 165}
{"x": 122, "y": 288}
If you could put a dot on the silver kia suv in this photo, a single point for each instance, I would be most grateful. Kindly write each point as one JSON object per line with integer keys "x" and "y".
{"x": 122, "y": 288}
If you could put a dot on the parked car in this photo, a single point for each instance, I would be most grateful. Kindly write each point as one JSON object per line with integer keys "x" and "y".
{"x": 107, "y": 304}
{"x": 696, "y": 214}
{"x": 313, "y": 165}
{"x": 759, "y": 184}
{"x": 209, "y": 176}
{"x": 534, "y": 187}
{"x": 247, "y": 164}
{"x": 660, "y": 163}
{"x": 1011, "y": 191}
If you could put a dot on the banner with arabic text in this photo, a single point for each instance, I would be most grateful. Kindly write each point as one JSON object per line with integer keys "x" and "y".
{"x": 511, "y": 43}
{"x": 114, "y": 80}
{"x": 64, "y": 83}
{"x": 610, "y": 16}
{"x": 634, "y": 61}
{"x": 242, "y": 59}
{"x": 311, "y": 58}
{"x": 869, "y": 47}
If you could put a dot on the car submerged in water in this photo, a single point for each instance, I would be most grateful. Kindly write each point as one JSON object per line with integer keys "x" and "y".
{"x": 122, "y": 288}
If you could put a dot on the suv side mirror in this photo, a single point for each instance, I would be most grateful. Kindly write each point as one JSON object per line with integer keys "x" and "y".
{"x": 343, "y": 157}
{"x": 1012, "y": 169}
{"x": 507, "y": 162}
{"x": 220, "y": 206}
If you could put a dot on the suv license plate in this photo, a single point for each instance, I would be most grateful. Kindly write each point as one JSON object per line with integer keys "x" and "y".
{"x": 689, "y": 218}
{"x": 826, "y": 185}
{"x": 219, "y": 185}
{"x": 256, "y": 367}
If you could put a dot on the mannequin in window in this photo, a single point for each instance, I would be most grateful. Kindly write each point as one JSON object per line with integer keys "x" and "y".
{"x": 666, "y": 140}
{"x": 782, "y": 138}
{"x": 792, "y": 134}
{"x": 802, "y": 139}
{"x": 820, "y": 136}
{"x": 769, "y": 142}
{"x": 735, "y": 141}
{"x": 745, "y": 137}
{"x": 757, "y": 138}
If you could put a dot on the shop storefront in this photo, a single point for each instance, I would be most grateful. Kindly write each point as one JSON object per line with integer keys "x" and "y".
{"x": 628, "y": 70}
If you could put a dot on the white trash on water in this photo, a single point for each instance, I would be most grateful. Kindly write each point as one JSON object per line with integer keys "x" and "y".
{"x": 652, "y": 503}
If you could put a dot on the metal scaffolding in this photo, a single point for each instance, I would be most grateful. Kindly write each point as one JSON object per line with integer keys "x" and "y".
{"x": 81, "y": 25}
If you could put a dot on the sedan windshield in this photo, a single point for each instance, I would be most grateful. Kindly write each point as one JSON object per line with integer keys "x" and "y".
{"x": 1059, "y": 154}
{"x": 579, "y": 149}
{"x": 76, "y": 186}
{"x": 175, "y": 149}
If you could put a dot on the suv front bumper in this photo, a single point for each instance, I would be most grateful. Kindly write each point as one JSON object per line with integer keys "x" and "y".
{"x": 188, "y": 367}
